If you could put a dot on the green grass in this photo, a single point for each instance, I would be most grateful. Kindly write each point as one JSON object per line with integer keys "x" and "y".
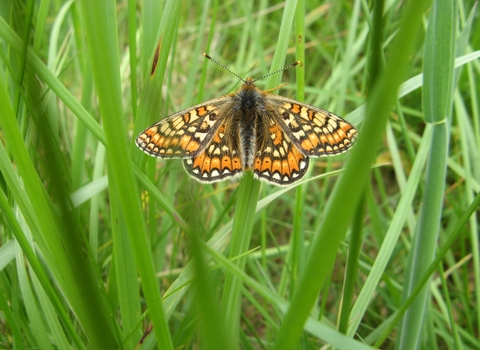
{"x": 377, "y": 248}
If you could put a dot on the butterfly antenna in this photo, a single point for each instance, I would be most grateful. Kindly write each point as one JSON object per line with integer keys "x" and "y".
{"x": 278, "y": 71}
{"x": 221, "y": 65}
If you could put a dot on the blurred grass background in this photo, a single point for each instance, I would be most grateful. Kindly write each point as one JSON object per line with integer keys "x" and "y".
{"x": 99, "y": 240}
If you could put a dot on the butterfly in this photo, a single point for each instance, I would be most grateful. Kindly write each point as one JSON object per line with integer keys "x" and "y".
{"x": 250, "y": 130}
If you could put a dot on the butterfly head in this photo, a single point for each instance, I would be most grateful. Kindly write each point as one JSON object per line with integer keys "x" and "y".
{"x": 248, "y": 84}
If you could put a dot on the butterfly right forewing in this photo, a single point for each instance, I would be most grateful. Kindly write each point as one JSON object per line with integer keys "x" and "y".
{"x": 315, "y": 131}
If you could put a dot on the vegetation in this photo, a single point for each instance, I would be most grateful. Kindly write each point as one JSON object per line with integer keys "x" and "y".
{"x": 377, "y": 248}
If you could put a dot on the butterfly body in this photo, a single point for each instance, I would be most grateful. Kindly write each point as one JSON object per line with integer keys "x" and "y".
{"x": 250, "y": 130}
{"x": 248, "y": 111}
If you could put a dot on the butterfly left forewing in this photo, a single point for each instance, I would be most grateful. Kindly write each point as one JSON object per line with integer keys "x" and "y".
{"x": 315, "y": 131}
{"x": 185, "y": 133}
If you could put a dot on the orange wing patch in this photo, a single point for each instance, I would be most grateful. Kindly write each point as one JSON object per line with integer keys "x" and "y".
{"x": 276, "y": 134}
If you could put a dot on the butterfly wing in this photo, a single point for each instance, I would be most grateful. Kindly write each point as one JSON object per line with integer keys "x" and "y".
{"x": 278, "y": 160}
{"x": 185, "y": 133}
{"x": 315, "y": 131}
{"x": 219, "y": 160}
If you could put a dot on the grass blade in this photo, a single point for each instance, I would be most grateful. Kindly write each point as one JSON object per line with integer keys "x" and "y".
{"x": 101, "y": 33}
{"x": 437, "y": 105}
{"x": 350, "y": 185}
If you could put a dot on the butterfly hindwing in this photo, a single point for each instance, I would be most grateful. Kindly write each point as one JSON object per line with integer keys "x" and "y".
{"x": 218, "y": 161}
{"x": 279, "y": 161}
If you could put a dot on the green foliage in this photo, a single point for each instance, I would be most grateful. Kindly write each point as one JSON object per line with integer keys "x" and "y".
{"x": 377, "y": 248}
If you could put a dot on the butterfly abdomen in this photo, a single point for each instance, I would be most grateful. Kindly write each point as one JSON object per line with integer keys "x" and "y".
{"x": 251, "y": 106}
